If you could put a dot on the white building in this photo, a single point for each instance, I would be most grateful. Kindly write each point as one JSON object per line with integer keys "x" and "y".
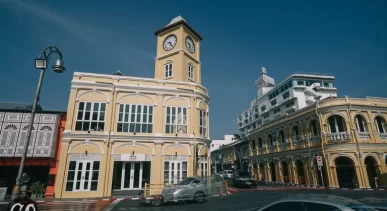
{"x": 227, "y": 139}
{"x": 274, "y": 100}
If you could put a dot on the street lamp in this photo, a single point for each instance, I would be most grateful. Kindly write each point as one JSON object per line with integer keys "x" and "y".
{"x": 40, "y": 63}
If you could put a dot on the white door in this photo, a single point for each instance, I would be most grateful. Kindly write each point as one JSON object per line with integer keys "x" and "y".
{"x": 175, "y": 172}
{"x": 82, "y": 178}
{"x": 204, "y": 169}
{"x": 131, "y": 175}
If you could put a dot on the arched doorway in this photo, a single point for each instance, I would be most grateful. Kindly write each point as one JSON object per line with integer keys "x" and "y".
{"x": 371, "y": 170}
{"x": 300, "y": 172}
{"x": 262, "y": 174}
{"x": 255, "y": 169}
{"x": 346, "y": 173}
{"x": 324, "y": 180}
{"x": 272, "y": 172}
{"x": 285, "y": 171}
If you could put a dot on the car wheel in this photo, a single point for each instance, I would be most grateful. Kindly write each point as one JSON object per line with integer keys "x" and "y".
{"x": 156, "y": 202}
{"x": 199, "y": 197}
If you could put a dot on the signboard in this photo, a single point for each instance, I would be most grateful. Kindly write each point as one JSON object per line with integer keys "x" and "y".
{"x": 319, "y": 161}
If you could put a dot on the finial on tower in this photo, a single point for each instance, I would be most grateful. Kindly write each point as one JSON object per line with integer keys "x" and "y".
{"x": 263, "y": 70}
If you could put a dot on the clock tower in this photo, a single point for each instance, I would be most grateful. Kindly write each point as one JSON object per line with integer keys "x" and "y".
{"x": 178, "y": 52}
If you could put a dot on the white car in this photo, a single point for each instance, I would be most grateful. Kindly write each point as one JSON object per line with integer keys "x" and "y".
{"x": 227, "y": 174}
{"x": 316, "y": 202}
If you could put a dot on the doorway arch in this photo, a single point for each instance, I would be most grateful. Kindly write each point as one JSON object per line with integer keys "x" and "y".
{"x": 285, "y": 171}
{"x": 272, "y": 172}
{"x": 371, "y": 168}
{"x": 346, "y": 172}
{"x": 300, "y": 172}
{"x": 262, "y": 174}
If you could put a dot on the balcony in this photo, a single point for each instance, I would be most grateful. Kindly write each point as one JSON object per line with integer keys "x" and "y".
{"x": 341, "y": 137}
{"x": 382, "y": 136}
{"x": 261, "y": 151}
{"x": 284, "y": 146}
{"x": 364, "y": 136}
{"x": 272, "y": 148}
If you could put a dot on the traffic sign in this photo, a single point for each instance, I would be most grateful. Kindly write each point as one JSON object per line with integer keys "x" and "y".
{"x": 319, "y": 160}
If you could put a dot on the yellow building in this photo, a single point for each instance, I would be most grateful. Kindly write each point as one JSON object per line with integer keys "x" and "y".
{"x": 349, "y": 133}
{"x": 124, "y": 132}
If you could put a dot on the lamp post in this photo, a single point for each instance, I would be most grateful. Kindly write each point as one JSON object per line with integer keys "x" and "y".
{"x": 40, "y": 63}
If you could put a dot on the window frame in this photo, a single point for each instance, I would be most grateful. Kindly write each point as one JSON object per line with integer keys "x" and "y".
{"x": 191, "y": 71}
{"x": 90, "y": 121}
{"x": 135, "y": 122}
{"x": 203, "y": 122}
{"x": 168, "y": 70}
{"x": 171, "y": 131}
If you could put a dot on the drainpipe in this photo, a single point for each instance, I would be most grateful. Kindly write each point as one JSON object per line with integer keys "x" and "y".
{"x": 322, "y": 146}
{"x": 194, "y": 132}
{"x": 349, "y": 108}
{"x": 108, "y": 144}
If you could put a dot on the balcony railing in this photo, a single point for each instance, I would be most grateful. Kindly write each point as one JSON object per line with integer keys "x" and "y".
{"x": 284, "y": 146}
{"x": 261, "y": 151}
{"x": 364, "y": 136}
{"x": 271, "y": 148}
{"x": 338, "y": 137}
{"x": 382, "y": 136}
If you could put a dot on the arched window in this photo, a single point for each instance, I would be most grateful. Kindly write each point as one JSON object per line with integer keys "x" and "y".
{"x": 260, "y": 145}
{"x": 381, "y": 125}
{"x": 270, "y": 140}
{"x": 296, "y": 133}
{"x": 336, "y": 124}
{"x": 361, "y": 124}
{"x": 314, "y": 127}
{"x": 282, "y": 136}
{"x": 168, "y": 69}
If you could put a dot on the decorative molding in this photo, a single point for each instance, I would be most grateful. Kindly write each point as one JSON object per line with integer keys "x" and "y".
{"x": 94, "y": 91}
{"x": 333, "y": 158}
{"x": 96, "y": 75}
{"x": 365, "y": 155}
{"x": 86, "y": 142}
{"x": 137, "y": 94}
{"x": 134, "y": 144}
{"x": 177, "y": 96}
{"x": 176, "y": 145}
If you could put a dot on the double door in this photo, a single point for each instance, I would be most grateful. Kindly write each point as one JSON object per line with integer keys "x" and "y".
{"x": 177, "y": 171}
{"x": 131, "y": 175}
{"x": 83, "y": 175}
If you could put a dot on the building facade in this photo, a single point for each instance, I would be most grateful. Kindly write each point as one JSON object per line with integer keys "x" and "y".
{"x": 290, "y": 123}
{"x": 277, "y": 100}
{"x": 349, "y": 133}
{"x": 227, "y": 139}
{"x": 125, "y": 132}
{"x": 42, "y": 155}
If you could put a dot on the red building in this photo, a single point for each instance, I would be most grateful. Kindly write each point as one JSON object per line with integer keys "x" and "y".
{"x": 43, "y": 151}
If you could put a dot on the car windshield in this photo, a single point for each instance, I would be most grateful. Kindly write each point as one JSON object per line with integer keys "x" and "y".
{"x": 244, "y": 174}
{"x": 186, "y": 181}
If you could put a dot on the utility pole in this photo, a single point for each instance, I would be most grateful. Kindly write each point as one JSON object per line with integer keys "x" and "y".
{"x": 194, "y": 160}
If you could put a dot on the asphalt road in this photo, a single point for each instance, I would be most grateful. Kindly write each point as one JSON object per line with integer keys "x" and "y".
{"x": 248, "y": 199}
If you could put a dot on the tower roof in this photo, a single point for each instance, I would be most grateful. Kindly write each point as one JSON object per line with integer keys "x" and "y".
{"x": 175, "y": 22}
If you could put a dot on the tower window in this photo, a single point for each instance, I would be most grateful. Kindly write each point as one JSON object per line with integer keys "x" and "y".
{"x": 190, "y": 71}
{"x": 168, "y": 70}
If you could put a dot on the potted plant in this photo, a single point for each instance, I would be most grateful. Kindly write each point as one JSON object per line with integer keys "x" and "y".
{"x": 37, "y": 190}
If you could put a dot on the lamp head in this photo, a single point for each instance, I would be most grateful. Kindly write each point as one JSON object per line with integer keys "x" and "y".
{"x": 58, "y": 66}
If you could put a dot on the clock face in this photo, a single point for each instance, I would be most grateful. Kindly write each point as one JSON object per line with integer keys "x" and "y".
{"x": 189, "y": 43}
{"x": 170, "y": 42}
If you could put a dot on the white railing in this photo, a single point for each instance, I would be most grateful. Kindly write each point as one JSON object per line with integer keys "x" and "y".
{"x": 364, "y": 135}
{"x": 383, "y": 136}
{"x": 338, "y": 137}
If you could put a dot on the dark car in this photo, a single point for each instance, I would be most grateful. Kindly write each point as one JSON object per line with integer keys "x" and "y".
{"x": 243, "y": 178}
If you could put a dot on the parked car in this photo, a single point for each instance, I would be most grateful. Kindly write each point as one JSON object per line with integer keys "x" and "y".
{"x": 227, "y": 174}
{"x": 243, "y": 178}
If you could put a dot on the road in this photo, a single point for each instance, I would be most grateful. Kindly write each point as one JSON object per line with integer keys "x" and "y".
{"x": 244, "y": 199}
{"x": 66, "y": 206}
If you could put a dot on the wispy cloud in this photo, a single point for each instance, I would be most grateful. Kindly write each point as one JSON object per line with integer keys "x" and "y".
{"x": 82, "y": 30}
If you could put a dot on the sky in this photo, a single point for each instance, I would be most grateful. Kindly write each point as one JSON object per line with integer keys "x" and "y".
{"x": 347, "y": 38}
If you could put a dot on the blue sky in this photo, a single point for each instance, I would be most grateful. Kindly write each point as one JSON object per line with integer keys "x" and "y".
{"x": 343, "y": 37}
